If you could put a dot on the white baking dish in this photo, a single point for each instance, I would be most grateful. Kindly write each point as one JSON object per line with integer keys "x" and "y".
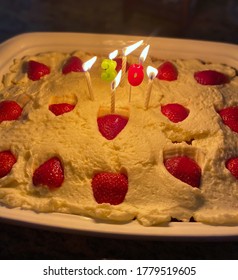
{"x": 165, "y": 48}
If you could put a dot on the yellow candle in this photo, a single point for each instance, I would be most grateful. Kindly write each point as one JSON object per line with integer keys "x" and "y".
{"x": 109, "y": 67}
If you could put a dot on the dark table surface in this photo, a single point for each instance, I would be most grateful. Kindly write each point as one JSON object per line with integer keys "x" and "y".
{"x": 204, "y": 20}
{"x": 19, "y": 242}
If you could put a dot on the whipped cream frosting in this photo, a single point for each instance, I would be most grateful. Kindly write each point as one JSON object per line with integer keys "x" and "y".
{"x": 139, "y": 150}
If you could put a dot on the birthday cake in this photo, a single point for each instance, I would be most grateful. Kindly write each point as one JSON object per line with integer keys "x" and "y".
{"x": 63, "y": 150}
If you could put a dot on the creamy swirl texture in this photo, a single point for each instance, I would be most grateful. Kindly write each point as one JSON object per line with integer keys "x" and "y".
{"x": 139, "y": 150}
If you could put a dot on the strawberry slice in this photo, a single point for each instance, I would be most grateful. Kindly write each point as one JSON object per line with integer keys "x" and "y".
{"x": 175, "y": 112}
{"x": 167, "y": 71}
{"x": 119, "y": 64}
{"x": 61, "y": 108}
{"x": 229, "y": 117}
{"x": 37, "y": 70}
{"x": 9, "y": 110}
{"x": 74, "y": 64}
{"x": 7, "y": 160}
{"x": 50, "y": 173}
{"x": 232, "y": 166}
{"x": 184, "y": 169}
{"x": 111, "y": 125}
{"x": 210, "y": 77}
{"x": 109, "y": 187}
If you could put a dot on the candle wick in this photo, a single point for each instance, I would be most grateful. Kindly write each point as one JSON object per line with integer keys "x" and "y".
{"x": 113, "y": 85}
{"x": 152, "y": 76}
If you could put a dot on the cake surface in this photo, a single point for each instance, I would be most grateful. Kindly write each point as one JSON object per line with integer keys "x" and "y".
{"x": 136, "y": 156}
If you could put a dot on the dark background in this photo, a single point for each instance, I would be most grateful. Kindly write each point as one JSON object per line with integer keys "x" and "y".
{"x": 215, "y": 20}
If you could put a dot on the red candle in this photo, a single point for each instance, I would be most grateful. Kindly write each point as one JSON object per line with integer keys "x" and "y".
{"x": 135, "y": 74}
{"x": 136, "y": 71}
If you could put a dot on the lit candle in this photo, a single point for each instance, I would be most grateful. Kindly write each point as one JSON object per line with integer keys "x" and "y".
{"x": 136, "y": 71}
{"x": 86, "y": 67}
{"x": 126, "y": 51}
{"x": 109, "y": 67}
{"x": 151, "y": 73}
{"x": 114, "y": 85}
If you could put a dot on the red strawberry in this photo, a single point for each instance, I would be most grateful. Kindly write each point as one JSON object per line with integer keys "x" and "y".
{"x": 7, "y": 160}
{"x": 184, "y": 169}
{"x": 50, "y": 173}
{"x": 74, "y": 64}
{"x": 111, "y": 125}
{"x": 210, "y": 77}
{"x": 167, "y": 71}
{"x": 175, "y": 112}
{"x": 119, "y": 64}
{"x": 109, "y": 187}
{"x": 9, "y": 111}
{"x": 61, "y": 108}
{"x": 229, "y": 117}
{"x": 232, "y": 166}
{"x": 37, "y": 70}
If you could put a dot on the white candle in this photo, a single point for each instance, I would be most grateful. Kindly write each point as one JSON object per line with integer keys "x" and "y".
{"x": 114, "y": 85}
{"x": 152, "y": 73}
{"x": 86, "y": 67}
{"x": 90, "y": 87}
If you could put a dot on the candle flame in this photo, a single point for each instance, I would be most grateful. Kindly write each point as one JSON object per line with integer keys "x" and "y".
{"x": 116, "y": 81}
{"x": 151, "y": 72}
{"x": 143, "y": 54}
{"x": 127, "y": 50}
{"x": 88, "y": 64}
{"x": 113, "y": 54}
